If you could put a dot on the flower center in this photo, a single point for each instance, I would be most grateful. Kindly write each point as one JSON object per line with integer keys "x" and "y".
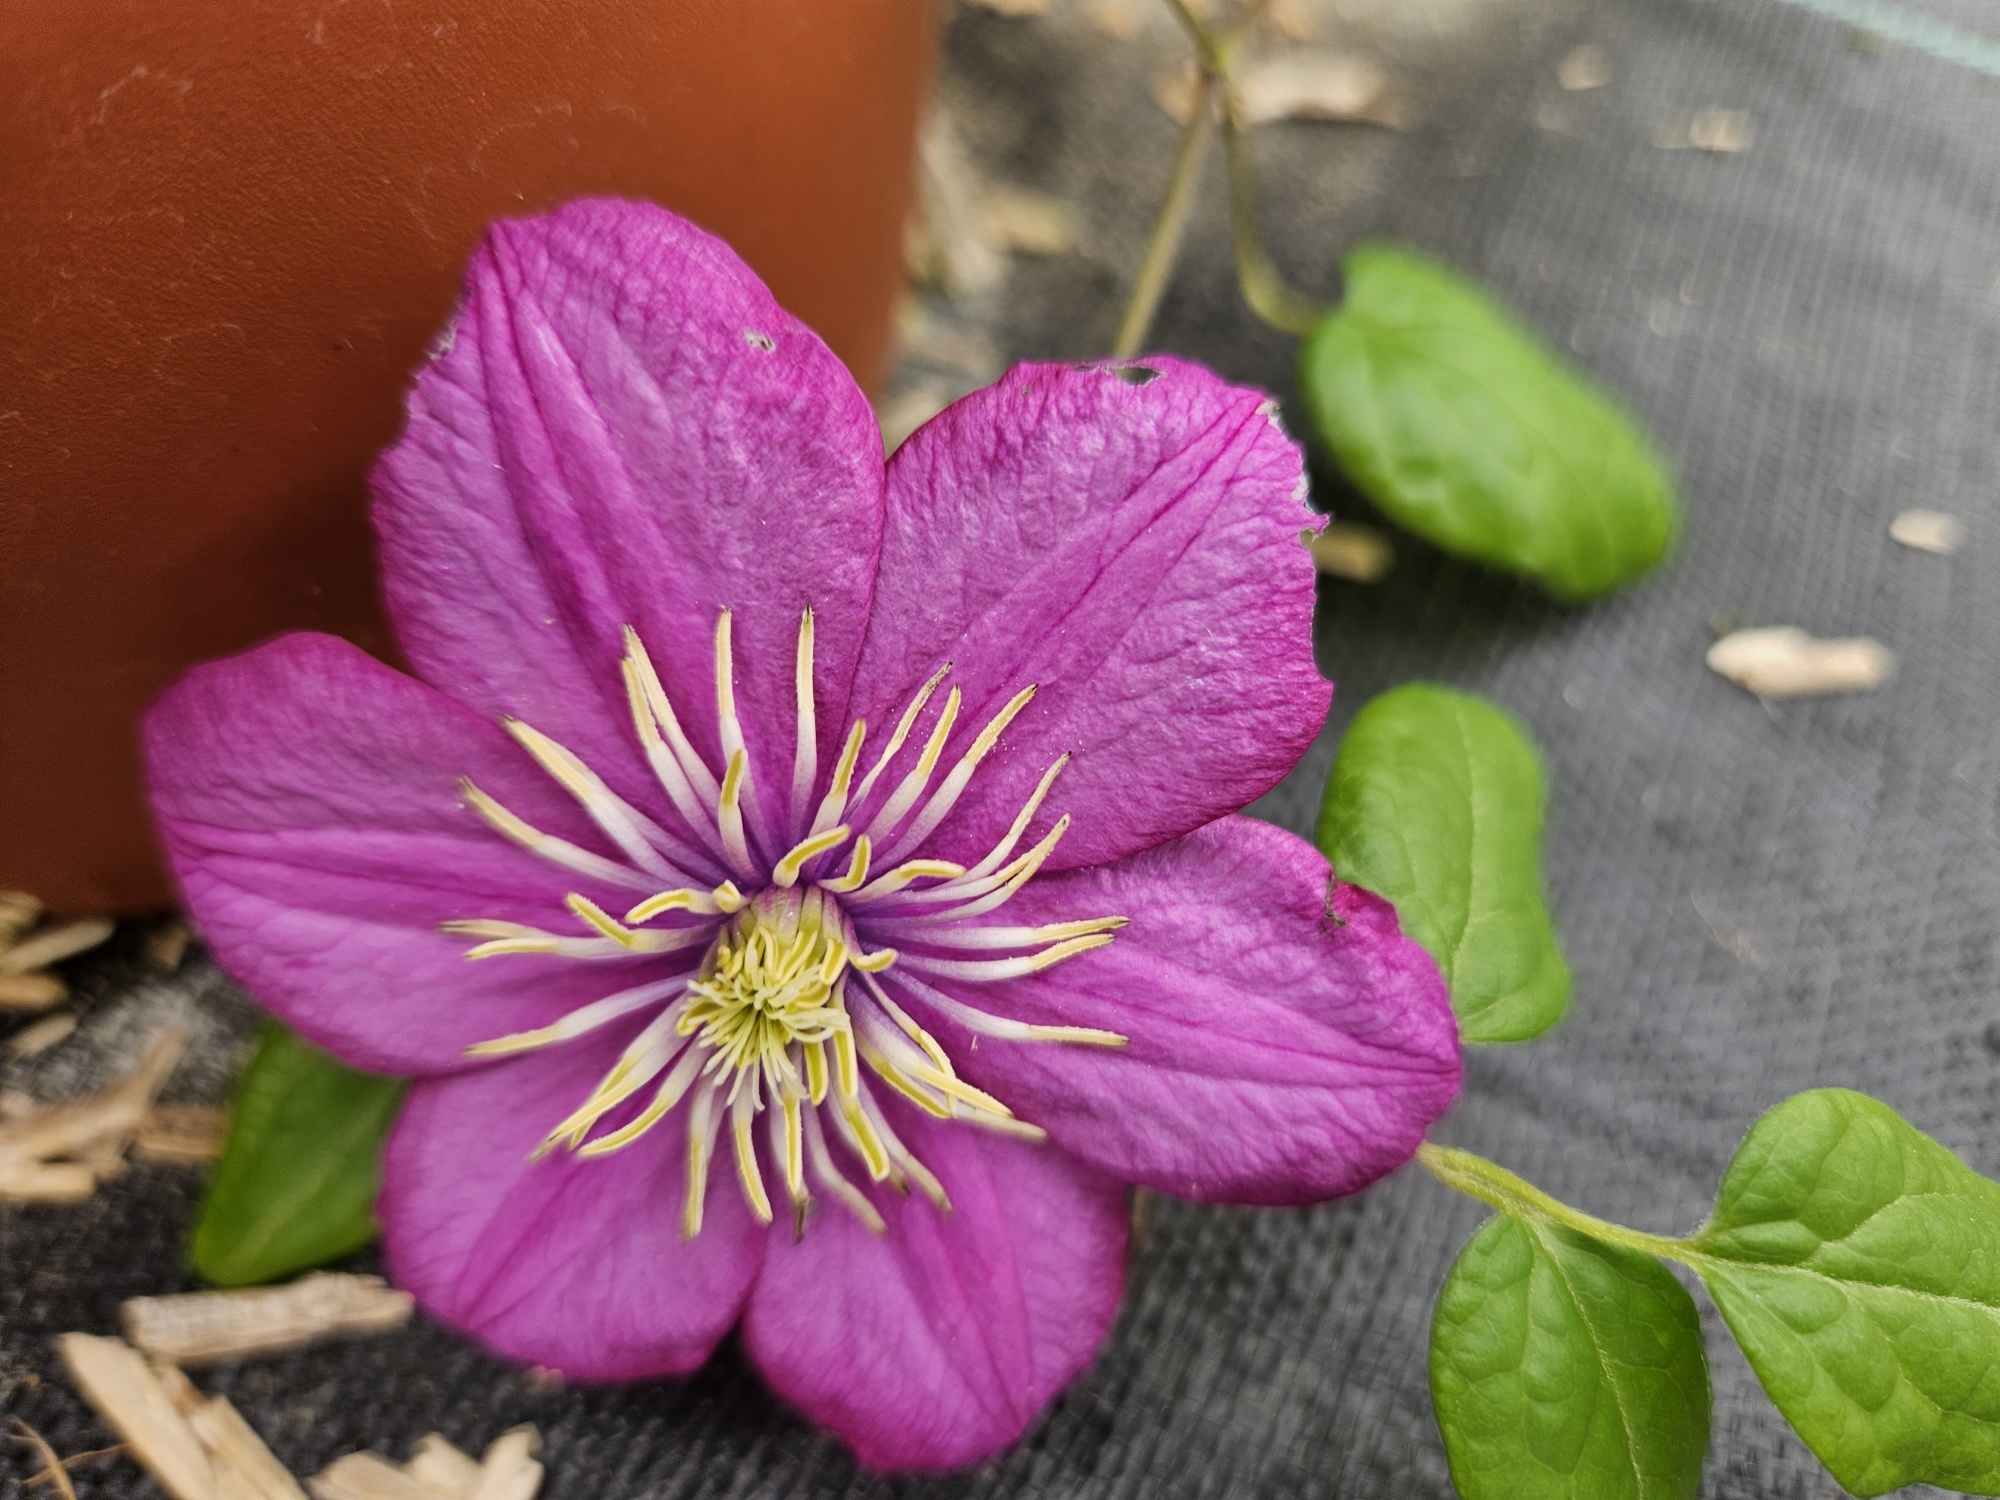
{"x": 768, "y": 984}
{"x": 791, "y": 997}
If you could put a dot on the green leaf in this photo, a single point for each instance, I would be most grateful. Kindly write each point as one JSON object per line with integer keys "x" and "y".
{"x": 1463, "y": 427}
{"x": 1857, "y": 1261}
{"x": 1565, "y": 1369}
{"x": 297, "y": 1181}
{"x": 1435, "y": 804}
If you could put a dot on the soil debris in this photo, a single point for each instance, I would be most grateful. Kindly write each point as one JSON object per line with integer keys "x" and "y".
{"x": 200, "y": 1327}
{"x": 1026, "y": 222}
{"x": 1318, "y": 84}
{"x": 1118, "y": 19}
{"x": 1726, "y": 935}
{"x": 1782, "y": 661}
{"x": 1344, "y": 549}
{"x": 1725, "y": 132}
{"x": 1928, "y": 531}
{"x": 1584, "y": 67}
{"x": 1312, "y": 84}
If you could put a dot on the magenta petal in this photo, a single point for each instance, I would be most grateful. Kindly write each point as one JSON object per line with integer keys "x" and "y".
{"x": 1133, "y": 549}
{"x": 624, "y": 428}
{"x": 574, "y": 1264}
{"x": 1287, "y": 1043}
{"x": 308, "y": 800}
{"x": 935, "y": 1344}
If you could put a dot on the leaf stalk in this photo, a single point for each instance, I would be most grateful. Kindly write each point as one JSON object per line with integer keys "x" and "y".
{"x": 1498, "y": 1188}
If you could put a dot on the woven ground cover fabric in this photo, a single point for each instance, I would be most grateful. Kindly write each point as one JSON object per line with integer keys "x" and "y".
{"x": 1755, "y": 900}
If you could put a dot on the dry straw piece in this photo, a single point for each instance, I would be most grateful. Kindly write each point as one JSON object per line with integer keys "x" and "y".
{"x": 200, "y": 1327}
{"x": 1782, "y": 661}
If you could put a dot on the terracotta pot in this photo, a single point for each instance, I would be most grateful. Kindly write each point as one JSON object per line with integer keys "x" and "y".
{"x": 229, "y": 227}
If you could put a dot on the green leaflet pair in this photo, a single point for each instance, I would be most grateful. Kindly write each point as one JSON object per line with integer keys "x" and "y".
{"x": 1856, "y": 1260}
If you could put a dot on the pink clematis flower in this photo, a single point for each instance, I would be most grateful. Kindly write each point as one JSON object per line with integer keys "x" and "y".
{"x": 806, "y": 893}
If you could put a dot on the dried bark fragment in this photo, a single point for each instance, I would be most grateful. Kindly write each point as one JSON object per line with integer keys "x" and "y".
{"x": 124, "y": 1390}
{"x": 199, "y": 1327}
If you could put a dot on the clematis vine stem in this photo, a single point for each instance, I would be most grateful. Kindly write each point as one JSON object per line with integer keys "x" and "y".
{"x": 1163, "y": 249}
{"x": 1498, "y": 1188}
{"x": 1264, "y": 289}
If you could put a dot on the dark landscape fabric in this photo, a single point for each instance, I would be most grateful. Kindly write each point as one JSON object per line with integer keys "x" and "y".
{"x": 1755, "y": 899}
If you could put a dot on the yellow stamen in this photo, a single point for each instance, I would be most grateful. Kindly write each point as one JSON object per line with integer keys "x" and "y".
{"x": 835, "y": 802}
{"x": 786, "y": 872}
{"x": 857, "y": 870}
{"x": 902, "y": 733}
